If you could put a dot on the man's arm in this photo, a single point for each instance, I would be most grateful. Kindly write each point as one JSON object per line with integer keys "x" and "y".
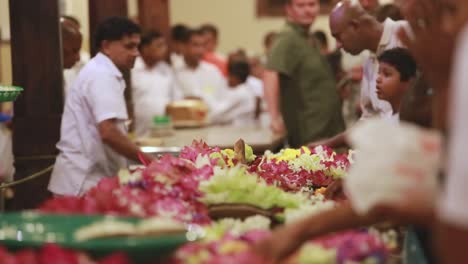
{"x": 333, "y": 142}
{"x": 119, "y": 142}
{"x": 271, "y": 89}
{"x": 287, "y": 239}
{"x": 450, "y": 242}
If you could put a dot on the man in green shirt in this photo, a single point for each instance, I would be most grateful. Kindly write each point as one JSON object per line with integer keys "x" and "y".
{"x": 300, "y": 88}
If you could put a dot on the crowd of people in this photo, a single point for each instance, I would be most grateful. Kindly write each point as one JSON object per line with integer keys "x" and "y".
{"x": 93, "y": 140}
{"x": 413, "y": 72}
{"x": 186, "y": 66}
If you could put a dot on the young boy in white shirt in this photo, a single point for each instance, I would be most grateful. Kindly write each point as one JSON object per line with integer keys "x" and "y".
{"x": 397, "y": 70}
{"x": 238, "y": 104}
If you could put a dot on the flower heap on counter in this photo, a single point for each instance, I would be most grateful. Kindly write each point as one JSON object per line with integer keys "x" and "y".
{"x": 229, "y": 241}
{"x": 289, "y": 184}
{"x": 201, "y": 154}
{"x": 168, "y": 188}
{"x": 345, "y": 247}
{"x": 225, "y": 241}
{"x": 294, "y": 169}
{"x": 182, "y": 187}
{"x": 237, "y": 186}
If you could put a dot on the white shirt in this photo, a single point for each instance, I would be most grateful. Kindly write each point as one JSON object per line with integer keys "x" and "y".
{"x": 177, "y": 61}
{"x": 393, "y": 118}
{"x": 236, "y": 107}
{"x": 453, "y": 208}
{"x": 256, "y": 85}
{"x": 96, "y": 95}
{"x": 153, "y": 88}
{"x": 205, "y": 82}
{"x": 7, "y": 169}
{"x": 371, "y": 105}
{"x": 69, "y": 75}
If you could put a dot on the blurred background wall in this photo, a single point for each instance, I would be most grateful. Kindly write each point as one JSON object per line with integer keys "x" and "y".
{"x": 237, "y": 21}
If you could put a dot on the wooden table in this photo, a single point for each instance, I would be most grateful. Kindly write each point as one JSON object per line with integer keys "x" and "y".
{"x": 260, "y": 138}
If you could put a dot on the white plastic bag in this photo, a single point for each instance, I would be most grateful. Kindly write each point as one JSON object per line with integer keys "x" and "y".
{"x": 391, "y": 161}
{"x": 6, "y": 155}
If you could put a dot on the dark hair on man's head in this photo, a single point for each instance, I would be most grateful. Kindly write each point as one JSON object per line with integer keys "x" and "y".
{"x": 190, "y": 33}
{"x": 114, "y": 28}
{"x": 238, "y": 55}
{"x": 239, "y": 69}
{"x": 178, "y": 32}
{"x": 321, "y": 37}
{"x": 402, "y": 60}
{"x": 148, "y": 37}
{"x": 210, "y": 28}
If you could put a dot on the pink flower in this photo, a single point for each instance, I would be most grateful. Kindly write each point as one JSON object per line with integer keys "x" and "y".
{"x": 52, "y": 253}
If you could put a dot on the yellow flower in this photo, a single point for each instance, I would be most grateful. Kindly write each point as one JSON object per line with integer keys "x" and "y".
{"x": 288, "y": 154}
{"x": 306, "y": 150}
{"x": 233, "y": 247}
{"x": 320, "y": 190}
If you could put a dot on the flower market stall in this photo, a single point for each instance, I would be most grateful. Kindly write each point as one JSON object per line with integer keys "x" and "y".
{"x": 208, "y": 205}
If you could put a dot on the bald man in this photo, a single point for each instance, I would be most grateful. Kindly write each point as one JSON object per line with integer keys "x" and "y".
{"x": 73, "y": 57}
{"x": 71, "y": 43}
{"x": 355, "y": 30}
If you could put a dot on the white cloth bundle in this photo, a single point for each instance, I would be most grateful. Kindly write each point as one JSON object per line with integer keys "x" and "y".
{"x": 391, "y": 161}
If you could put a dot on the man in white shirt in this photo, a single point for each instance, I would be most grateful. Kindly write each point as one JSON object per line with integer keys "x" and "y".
{"x": 153, "y": 82}
{"x": 198, "y": 78}
{"x": 71, "y": 44}
{"x": 178, "y": 35}
{"x": 355, "y": 31}
{"x": 93, "y": 142}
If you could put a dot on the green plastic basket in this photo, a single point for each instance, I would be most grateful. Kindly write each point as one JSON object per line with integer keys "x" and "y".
{"x": 9, "y": 93}
{"x": 32, "y": 230}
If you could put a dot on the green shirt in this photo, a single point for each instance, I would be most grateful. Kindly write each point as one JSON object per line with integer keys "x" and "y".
{"x": 309, "y": 100}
